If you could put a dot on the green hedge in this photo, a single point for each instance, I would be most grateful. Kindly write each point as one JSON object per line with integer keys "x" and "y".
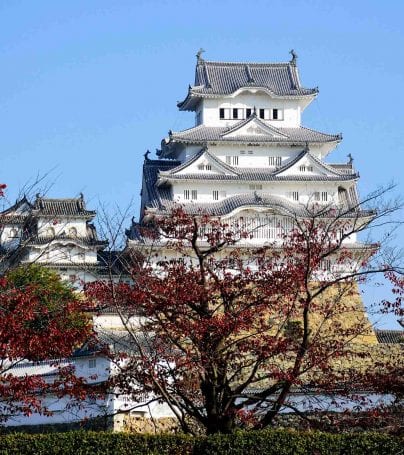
{"x": 279, "y": 442}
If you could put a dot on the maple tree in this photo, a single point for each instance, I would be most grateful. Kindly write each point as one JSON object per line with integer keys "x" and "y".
{"x": 40, "y": 319}
{"x": 224, "y": 332}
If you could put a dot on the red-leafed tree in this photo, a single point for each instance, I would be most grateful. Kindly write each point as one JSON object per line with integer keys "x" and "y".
{"x": 225, "y": 332}
{"x": 40, "y": 319}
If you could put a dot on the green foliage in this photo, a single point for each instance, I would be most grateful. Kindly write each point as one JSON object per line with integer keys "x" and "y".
{"x": 279, "y": 442}
{"x": 53, "y": 294}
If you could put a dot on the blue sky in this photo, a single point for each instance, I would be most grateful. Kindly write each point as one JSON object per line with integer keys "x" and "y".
{"x": 87, "y": 87}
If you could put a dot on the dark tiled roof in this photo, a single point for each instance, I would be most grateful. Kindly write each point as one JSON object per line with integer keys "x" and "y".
{"x": 390, "y": 336}
{"x": 257, "y": 174}
{"x": 44, "y": 240}
{"x": 160, "y": 197}
{"x": 223, "y": 78}
{"x": 62, "y": 207}
{"x": 151, "y": 169}
{"x": 17, "y": 213}
{"x": 202, "y": 134}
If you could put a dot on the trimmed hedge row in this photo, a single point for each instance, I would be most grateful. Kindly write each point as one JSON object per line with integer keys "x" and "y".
{"x": 279, "y": 442}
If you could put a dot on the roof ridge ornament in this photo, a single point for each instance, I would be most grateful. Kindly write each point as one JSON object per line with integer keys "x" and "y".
{"x": 199, "y": 55}
{"x": 250, "y": 79}
{"x": 146, "y": 155}
{"x": 350, "y": 158}
{"x": 294, "y": 57}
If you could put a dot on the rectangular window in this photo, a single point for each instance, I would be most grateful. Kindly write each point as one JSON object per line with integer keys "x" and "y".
{"x": 208, "y": 167}
{"x": 92, "y": 363}
{"x": 222, "y": 194}
{"x": 251, "y": 152}
{"x": 316, "y": 196}
{"x": 302, "y": 168}
{"x": 324, "y": 196}
{"x": 194, "y": 195}
{"x": 186, "y": 194}
{"x": 224, "y": 113}
{"x": 256, "y": 186}
{"x": 310, "y": 168}
{"x": 215, "y": 194}
{"x": 232, "y": 160}
{"x": 238, "y": 113}
{"x": 248, "y": 112}
{"x": 275, "y": 161}
{"x": 277, "y": 114}
{"x": 295, "y": 195}
{"x": 242, "y": 152}
{"x": 265, "y": 114}
{"x": 325, "y": 265}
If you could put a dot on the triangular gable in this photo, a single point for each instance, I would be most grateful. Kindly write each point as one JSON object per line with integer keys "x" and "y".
{"x": 20, "y": 208}
{"x": 204, "y": 162}
{"x": 253, "y": 126}
{"x": 307, "y": 164}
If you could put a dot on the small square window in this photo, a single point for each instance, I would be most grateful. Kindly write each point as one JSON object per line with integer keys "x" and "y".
{"x": 215, "y": 195}
{"x": 295, "y": 195}
{"x": 224, "y": 113}
{"x": 186, "y": 194}
{"x": 194, "y": 195}
{"x": 92, "y": 363}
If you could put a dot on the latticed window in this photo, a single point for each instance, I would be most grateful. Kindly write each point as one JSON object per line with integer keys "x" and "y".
{"x": 215, "y": 195}
{"x": 324, "y": 196}
{"x": 186, "y": 194}
{"x": 232, "y": 160}
{"x": 255, "y": 186}
{"x": 275, "y": 161}
{"x": 194, "y": 195}
{"x": 295, "y": 195}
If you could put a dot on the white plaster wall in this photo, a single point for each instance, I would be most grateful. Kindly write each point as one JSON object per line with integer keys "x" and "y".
{"x": 114, "y": 322}
{"x": 283, "y": 189}
{"x": 259, "y": 155}
{"x": 59, "y": 252}
{"x": 291, "y": 109}
{"x": 61, "y": 225}
{"x": 5, "y": 235}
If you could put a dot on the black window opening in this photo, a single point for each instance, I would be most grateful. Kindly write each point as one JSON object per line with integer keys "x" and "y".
{"x": 275, "y": 114}
{"x": 262, "y": 113}
{"x": 248, "y": 112}
{"x": 221, "y": 113}
{"x": 235, "y": 113}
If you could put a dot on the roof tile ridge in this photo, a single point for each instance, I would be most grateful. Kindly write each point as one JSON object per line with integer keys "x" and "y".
{"x": 236, "y": 126}
{"x": 338, "y": 135}
{"x": 270, "y": 127}
{"x": 221, "y": 163}
{"x": 329, "y": 168}
{"x": 213, "y": 62}
{"x": 251, "y": 118}
{"x": 291, "y": 163}
{"x": 185, "y": 164}
{"x": 192, "y": 128}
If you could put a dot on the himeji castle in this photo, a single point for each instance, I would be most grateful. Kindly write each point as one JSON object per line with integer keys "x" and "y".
{"x": 248, "y": 155}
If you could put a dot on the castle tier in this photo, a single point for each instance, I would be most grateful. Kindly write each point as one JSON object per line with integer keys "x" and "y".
{"x": 56, "y": 233}
{"x": 248, "y": 154}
